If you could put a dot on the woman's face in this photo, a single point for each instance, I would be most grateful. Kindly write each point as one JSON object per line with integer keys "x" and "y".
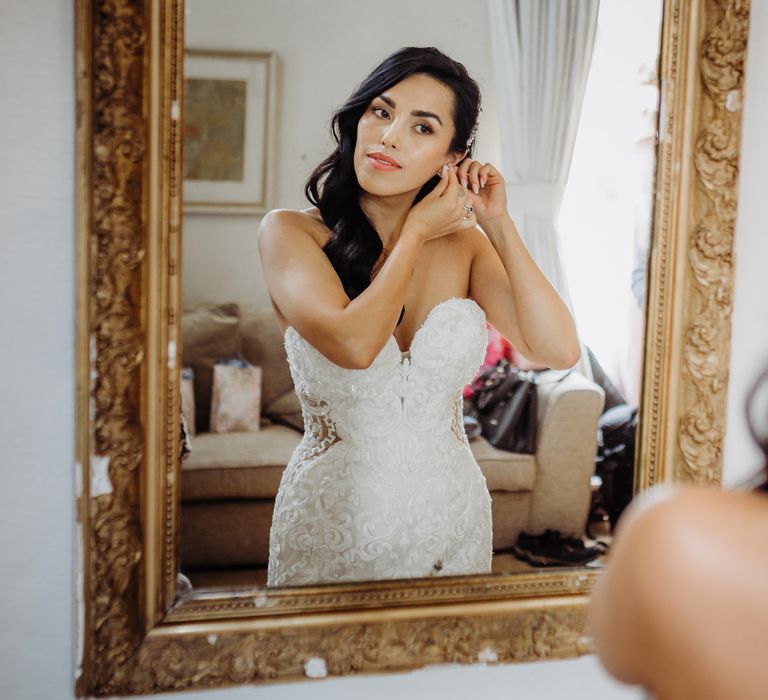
{"x": 410, "y": 123}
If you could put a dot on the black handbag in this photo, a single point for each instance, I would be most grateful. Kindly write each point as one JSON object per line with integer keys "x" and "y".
{"x": 505, "y": 403}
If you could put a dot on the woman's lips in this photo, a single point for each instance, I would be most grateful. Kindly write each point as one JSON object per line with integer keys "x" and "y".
{"x": 381, "y": 165}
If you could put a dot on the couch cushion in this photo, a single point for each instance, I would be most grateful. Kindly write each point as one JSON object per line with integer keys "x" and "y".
{"x": 286, "y": 410}
{"x": 504, "y": 471}
{"x": 250, "y": 465}
{"x": 263, "y": 346}
{"x": 237, "y": 465}
{"x": 209, "y": 332}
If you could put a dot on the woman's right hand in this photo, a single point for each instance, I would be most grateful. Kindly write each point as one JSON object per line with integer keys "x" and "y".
{"x": 442, "y": 210}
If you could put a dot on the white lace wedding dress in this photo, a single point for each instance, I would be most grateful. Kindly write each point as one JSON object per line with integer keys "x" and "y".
{"x": 383, "y": 484}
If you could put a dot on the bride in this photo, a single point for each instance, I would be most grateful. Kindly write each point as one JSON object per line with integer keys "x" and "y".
{"x": 382, "y": 290}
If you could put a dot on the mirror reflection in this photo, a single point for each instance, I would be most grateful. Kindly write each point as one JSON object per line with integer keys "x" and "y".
{"x": 392, "y": 369}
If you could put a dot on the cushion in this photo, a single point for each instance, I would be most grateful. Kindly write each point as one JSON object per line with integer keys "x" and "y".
{"x": 237, "y": 465}
{"x": 262, "y": 344}
{"x": 250, "y": 465}
{"x": 286, "y": 410}
{"x": 504, "y": 471}
{"x": 209, "y": 332}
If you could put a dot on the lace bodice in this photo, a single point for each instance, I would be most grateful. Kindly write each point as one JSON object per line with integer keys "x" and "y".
{"x": 383, "y": 483}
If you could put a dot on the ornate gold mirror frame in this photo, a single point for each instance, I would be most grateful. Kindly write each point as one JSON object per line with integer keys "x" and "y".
{"x": 135, "y": 635}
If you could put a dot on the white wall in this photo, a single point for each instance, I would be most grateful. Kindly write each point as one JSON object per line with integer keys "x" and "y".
{"x": 37, "y": 316}
{"x": 749, "y": 340}
{"x": 37, "y": 379}
{"x": 325, "y": 48}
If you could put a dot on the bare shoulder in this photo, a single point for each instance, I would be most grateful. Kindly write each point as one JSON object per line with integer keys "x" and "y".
{"x": 291, "y": 243}
{"x": 472, "y": 239}
{"x": 473, "y": 242}
{"x": 673, "y": 527}
{"x": 464, "y": 240}
{"x": 299, "y": 277}
{"x": 289, "y": 224}
{"x": 667, "y": 501}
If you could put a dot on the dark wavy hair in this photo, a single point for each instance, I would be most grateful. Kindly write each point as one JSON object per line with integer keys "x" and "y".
{"x": 355, "y": 246}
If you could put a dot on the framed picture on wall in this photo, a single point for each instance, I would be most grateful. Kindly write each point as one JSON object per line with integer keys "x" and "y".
{"x": 229, "y": 119}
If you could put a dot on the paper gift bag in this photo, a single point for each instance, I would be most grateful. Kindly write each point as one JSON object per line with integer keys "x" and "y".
{"x": 188, "y": 398}
{"x": 236, "y": 397}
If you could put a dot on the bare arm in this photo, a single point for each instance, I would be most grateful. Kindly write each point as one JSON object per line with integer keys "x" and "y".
{"x": 519, "y": 300}
{"x": 305, "y": 287}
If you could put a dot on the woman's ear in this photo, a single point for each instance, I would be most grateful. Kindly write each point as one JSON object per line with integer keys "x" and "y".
{"x": 459, "y": 157}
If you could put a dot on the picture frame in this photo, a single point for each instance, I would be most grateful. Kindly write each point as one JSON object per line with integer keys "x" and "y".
{"x": 139, "y": 629}
{"x": 228, "y": 138}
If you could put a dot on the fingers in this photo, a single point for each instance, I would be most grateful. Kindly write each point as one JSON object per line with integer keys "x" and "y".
{"x": 442, "y": 185}
{"x": 487, "y": 172}
{"x": 461, "y": 171}
{"x": 473, "y": 175}
{"x": 454, "y": 194}
{"x": 466, "y": 171}
{"x": 451, "y": 190}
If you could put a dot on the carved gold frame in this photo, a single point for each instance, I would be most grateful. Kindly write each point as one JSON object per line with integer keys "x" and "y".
{"x": 135, "y": 634}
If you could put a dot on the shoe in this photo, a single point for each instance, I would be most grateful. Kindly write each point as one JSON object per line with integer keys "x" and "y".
{"x": 575, "y": 542}
{"x": 552, "y": 548}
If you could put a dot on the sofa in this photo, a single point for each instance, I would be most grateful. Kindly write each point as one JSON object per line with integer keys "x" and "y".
{"x": 229, "y": 480}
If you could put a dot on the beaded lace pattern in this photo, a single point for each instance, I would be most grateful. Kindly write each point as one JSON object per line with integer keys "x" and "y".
{"x": 383, "y": 484}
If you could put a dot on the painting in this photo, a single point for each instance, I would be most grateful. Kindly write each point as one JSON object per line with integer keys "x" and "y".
{"x": 229, "y": 106}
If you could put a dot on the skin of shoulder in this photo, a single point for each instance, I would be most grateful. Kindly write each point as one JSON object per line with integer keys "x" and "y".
{"x": 304, "y": 289}
{"x": 308, "y": 221}
{"x": 472, "y": 238}
{"x": 289, "y": 222}
{"x": 681, "y": 568}
{"x": 285, "y": 234}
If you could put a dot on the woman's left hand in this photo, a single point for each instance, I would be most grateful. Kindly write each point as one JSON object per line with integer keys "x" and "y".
{"x": 490, "y": 200}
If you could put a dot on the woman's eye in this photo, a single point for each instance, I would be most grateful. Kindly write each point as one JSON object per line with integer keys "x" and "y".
{"x": 427, "y": 127}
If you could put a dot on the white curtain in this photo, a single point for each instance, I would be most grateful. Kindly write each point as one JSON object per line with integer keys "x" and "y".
{"x": 542, "y": 50}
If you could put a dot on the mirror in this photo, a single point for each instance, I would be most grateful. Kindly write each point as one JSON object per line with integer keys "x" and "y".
{"x": 142, "y": 629}
{"x": 260, "y": 90}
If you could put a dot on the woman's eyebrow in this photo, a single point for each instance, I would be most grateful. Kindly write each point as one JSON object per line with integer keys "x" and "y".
{"x": 415, "y": 112}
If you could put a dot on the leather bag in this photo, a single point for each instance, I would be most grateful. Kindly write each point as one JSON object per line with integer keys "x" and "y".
{"x": 505, "y": 403}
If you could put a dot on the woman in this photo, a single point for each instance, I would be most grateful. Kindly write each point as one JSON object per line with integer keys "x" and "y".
{"x": 382, "y": 290}
{"x": 683, "y": 607}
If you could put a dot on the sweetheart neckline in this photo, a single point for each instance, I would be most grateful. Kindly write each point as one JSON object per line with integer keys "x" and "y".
{"x": 403, "y": 353}
{"x": 426, "y": 318}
